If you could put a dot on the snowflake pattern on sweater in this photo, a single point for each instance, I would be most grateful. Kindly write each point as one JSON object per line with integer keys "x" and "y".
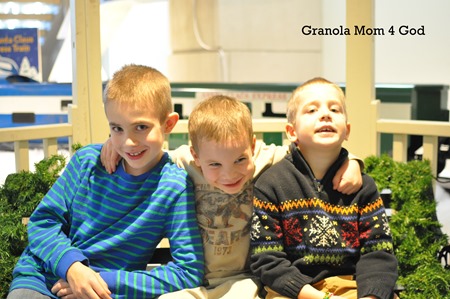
{"x": 313, "y": 232}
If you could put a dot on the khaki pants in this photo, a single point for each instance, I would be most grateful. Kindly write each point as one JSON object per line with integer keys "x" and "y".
{"x": 343, "y": 286}
{"x": 231, "y": 289}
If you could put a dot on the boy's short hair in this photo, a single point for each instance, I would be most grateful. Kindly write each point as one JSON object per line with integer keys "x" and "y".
{"x": 141, "y": 86}
{"x": 293, "y": 103}
{"x": 222, "y": 119}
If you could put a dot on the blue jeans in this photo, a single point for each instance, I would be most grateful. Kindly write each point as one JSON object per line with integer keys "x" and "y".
{"x": 26, "y": 293}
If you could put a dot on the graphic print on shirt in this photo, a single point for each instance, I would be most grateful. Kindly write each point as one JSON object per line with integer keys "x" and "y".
{"x": 223, "y": 218}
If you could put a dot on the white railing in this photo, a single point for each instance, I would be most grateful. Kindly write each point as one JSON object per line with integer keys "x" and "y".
{"x": 21, "y": 136}
{"x": 401, "y": 129}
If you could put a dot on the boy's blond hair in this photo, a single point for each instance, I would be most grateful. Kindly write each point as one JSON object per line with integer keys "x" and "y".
{"x": 295, "y": 99}
{"x": 221, "y": 119}
{"x": 141, "y": 86}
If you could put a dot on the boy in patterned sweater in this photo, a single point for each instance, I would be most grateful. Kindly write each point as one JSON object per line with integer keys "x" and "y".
{"x": 309, "y": 240}
{"x": 223, "y": 160}
{"x": 94, "y": 232}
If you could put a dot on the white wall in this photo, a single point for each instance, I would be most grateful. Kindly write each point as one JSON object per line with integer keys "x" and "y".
{"x": 259, "y": 40}
{"x": 142, "y": 38}
{"x": 132, "y": 31}
{"x": 398, "y": 59}
{"x": 140, "y": 34}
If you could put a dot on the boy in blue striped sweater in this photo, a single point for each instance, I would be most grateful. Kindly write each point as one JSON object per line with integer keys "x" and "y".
{"x": 95, "y": 231}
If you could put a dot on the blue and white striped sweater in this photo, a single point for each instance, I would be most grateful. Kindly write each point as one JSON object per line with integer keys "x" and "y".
{"x": 113, "y": 223}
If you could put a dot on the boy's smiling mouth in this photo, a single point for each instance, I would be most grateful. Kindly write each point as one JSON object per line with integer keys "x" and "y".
{"x": 326, "y": 129}
{"x": 135, "y": 155}
{"x": 234, "y": 184}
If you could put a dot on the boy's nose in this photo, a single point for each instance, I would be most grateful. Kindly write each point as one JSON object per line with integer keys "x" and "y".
{"x": 130, "y": 140}
{"x": 229, "y": 174}
{"x": 325, "y": 114}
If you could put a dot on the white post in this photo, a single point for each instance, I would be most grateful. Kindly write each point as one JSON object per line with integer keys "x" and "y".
{"x": 360, "y": 85}
{"x": 87, "y": 115}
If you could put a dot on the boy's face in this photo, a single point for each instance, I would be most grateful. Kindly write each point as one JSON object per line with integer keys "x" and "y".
{"x": 320, "y": 121}
{"x": 137, "y": 135}
{"x": 227, "y": 166}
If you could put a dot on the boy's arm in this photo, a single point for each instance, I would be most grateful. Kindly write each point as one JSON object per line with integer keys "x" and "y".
{"x": 49, "y": 224}
{"x": 376, "y": 271}
{"x": 265, "y": 156}
{"x": 86, "y": 283}
{"x": 347, "y": 180}
{"x": 269, "y": 262}
{"x": 109, "y": 157}
{"x": 48, "y": 236}
{"x": 63, "y": 289}
{"x": 185, "y": 271}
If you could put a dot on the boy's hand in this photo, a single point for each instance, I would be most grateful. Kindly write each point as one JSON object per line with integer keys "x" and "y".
{"x": 109, "y": 157}
{"x": 86, "y": 283}
{"x": 309, "y": 292}
{"x": 62, "y": 289}
{"x": 348, "y": 179}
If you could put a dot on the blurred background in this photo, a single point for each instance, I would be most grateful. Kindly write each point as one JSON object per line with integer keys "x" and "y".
{"x": 242, "y": 41}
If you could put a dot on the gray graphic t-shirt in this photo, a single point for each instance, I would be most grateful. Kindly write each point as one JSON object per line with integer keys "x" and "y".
{"x": 224, "y": 221}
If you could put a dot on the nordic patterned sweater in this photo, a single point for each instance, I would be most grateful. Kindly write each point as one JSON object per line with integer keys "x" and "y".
{"x": 304, "y": 231}
{"x": 113, "y": 223}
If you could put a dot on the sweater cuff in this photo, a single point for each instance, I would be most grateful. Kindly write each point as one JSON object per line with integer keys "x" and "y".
{"x": 379, "y": 293}
{"x": 67, "y": 260}
{"x": 382, "y": 288}
{"x": 111, "y": 279}
{"x": 293, "y": 285}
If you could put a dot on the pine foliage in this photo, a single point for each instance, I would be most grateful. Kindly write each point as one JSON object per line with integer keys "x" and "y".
{"x": 415, "y": 228}
{"x": 19, "y": 196}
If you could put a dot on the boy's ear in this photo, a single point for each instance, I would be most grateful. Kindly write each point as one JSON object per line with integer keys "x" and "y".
{"x": 253, "y": 145}
{"x": 171, "y": 121}
{"x": 348, "y": 131}
{"x": 290, "y": 132}
{"x": 195, "y": 156}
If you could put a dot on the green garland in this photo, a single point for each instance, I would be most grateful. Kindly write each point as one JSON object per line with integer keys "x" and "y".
{"x": 19, "y": 196}
{"x": 415, "y": 228}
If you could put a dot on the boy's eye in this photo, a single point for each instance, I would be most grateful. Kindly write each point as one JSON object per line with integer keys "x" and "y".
{"x": 240, "y": 160}
{"x": 214, "y": 164}
{"x": 116, "y": 129}
{"x": 141, "y": 127}
{"x": 335, "y": 109}
{"x": 311, "y": 109}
